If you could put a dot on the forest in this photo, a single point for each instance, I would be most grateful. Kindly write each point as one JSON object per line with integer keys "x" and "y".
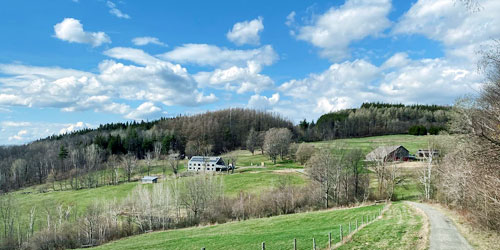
{"x": 74, "y": 154}
{"x": 373, "y": 119}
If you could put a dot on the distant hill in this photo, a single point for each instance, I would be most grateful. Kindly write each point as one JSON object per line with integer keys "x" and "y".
{"x": 62, "y": 156}
{"x": 373, "y": 119}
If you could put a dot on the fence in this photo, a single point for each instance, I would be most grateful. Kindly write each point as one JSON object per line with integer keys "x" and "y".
{"x": 343, "y": 233}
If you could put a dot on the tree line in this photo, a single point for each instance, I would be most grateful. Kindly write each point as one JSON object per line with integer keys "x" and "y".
{"x": 374, "y": 119}
{"x": 90, "y": 150}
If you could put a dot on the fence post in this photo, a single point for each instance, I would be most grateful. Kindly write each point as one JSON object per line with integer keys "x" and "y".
{"x": 314, "y": 244}
{"x": 341, "y": 236}
{"x": 330, "y": 240}
{"x": 263, "y": 246}
{"x": 294, "y": 244}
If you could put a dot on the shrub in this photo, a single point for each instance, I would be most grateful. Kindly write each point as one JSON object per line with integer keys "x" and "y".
{"x": 417, "y": 130}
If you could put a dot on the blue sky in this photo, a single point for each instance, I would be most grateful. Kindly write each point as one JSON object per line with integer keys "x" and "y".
{"x": 67, "y": 64}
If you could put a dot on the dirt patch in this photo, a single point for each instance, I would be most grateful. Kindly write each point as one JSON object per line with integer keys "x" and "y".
{"x": 410, "y": 164}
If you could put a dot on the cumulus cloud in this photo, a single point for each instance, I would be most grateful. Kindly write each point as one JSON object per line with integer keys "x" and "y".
{"x": 247, "y": 32}
{"x": 73, "y": 127}
{"x": 397, "y": 60}
{"x": 145, "y": 111}
{"x": 290, "y": 19}
{"x": 71, "y": 30}
{"x": 149, "y": 79}
{"x": 263, "y": 102}
{"x": 398, "y": 79}
{"x": 145, "y": 40}
{"x": 239, "y": 79}
{"x": 115, "y": 11}
{"x": 334, "y": 30}
{"x": 210, "y": 55}
{"x": 461, "y": 31}
{"x": 235, "y": 70}
{"x": 19, "y": 132}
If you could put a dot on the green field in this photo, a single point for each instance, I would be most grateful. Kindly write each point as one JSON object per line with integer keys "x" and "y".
{"x": 398, "y": 229}
{"x": 277, "y": 232}
{"x": 367, "y": 144}
{"x": 250, "y": 176}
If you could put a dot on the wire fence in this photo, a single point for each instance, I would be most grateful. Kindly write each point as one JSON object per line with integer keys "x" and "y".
{"x": 340, "y": 235}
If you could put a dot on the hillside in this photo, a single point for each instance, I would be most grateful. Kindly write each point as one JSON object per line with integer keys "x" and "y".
{"x": 249, "y": 179}
{"x": 373, "y": 119}
{"x": 72, "y": 155}
{"x": 400, "y": 223}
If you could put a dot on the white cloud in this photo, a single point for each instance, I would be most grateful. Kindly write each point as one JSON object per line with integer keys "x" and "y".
{"x": 71, "y": 30}
{"x": 247, "y": 32}
{"x": 145, "y": 40}
{"x": 108, "y": 90}
{"x": 461, "y": 31}
{"x": 263, "y": 102}
{"x": 145, "y": 111}
{"x": 115, "y": 11}
{"x": 73, "y": 127}
{"x": 210, "y": 55}
{"x": 397, "y": 60}
{"x": 19, "y": 132}
{"x": 14, "y": 124}
{"x": 134, "y": 55}
{"x": 290, "y": 19}
{"x": 18, "y": 136}
{"x": 398, "y": 79}
{"x": 334, "y": 30}
{"x": 239, "y": 79}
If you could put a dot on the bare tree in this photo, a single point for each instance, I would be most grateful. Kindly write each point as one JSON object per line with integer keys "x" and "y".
{"x": 277, "y": 142}
{"x": 252, "y": 140}
{"x": 158, "y": 146}
{"x": 322, "y": 169}
{"x": 198, "y": 192}
{"x": 129, "y": 163}
{"x": 173, "y": 162}
{"x": 149, "y": 159}
{"x": 304, "y": 152}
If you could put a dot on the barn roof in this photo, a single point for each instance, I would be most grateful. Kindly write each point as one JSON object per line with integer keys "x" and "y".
{"x": 149, "y": 178}
{"x": 382, "y": 151}
{"x": 203, "y": 159}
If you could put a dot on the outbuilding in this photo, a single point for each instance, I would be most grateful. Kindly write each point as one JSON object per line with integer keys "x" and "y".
{"x": 389, "y": 153}
{"x": 149, "y": 179}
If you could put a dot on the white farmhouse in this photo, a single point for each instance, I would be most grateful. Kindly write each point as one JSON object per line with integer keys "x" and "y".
{"x": 207, "y": 163}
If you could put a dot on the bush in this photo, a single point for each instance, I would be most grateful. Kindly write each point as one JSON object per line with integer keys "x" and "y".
{"x": 435, "y": 130}
{"x": 417, "y": 130}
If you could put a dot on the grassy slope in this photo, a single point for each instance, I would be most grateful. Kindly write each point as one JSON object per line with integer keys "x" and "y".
{"x": 278, "y": 232}
{"x": 246, "y": 179}
{"x": 398, "y": 229}
{"x": 367, "y": 144}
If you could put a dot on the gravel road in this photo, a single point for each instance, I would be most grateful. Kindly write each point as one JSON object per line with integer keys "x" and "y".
{"x": 444, "y": 234}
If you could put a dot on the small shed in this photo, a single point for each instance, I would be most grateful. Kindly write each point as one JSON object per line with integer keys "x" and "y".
{"x": 424, "y": 153}
{"x": 149, "y": 179}
{"x": 389, "y": 153}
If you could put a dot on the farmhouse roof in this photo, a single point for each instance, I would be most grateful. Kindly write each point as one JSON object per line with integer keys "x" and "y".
{"x": 203, "y": 159}
{"x": 149, "y": 178}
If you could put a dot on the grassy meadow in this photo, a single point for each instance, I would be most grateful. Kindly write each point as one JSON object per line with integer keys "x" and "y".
{"x": 250, "y": 176}
{"x": 399, "y": 228}
{"x": 277, "y": 232}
